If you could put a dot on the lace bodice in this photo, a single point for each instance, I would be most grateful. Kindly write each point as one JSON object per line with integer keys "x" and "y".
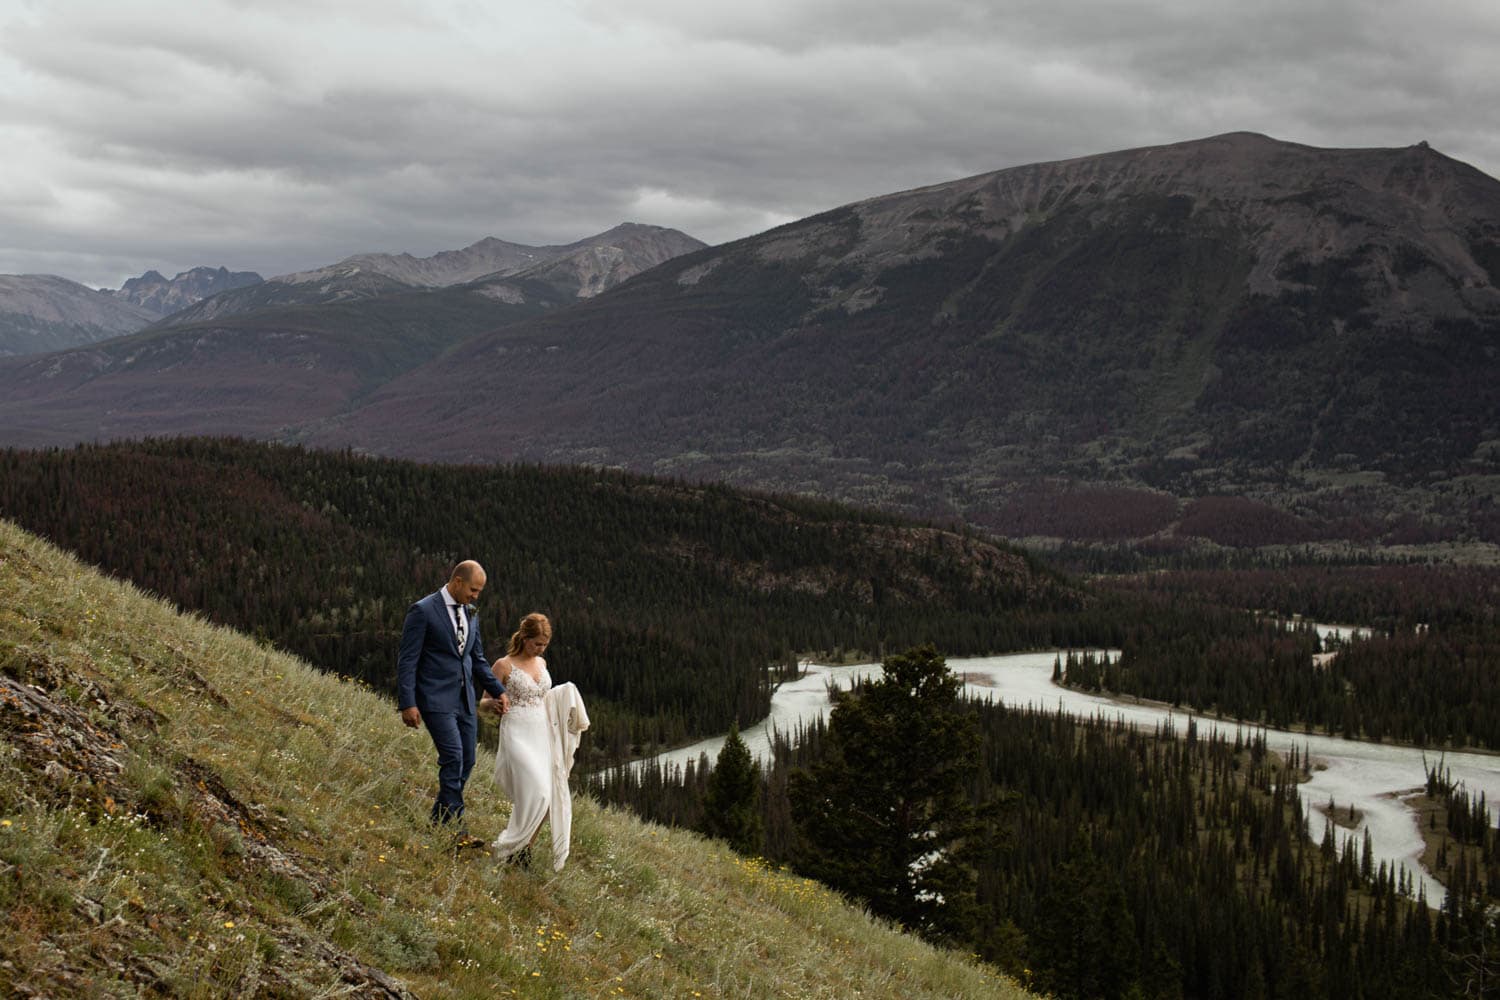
{"x": 525, "y": 692}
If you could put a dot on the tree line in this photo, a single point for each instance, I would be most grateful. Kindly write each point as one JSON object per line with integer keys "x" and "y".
{"x": 1430, "y": 678}
{"x": 1383, "y": 596}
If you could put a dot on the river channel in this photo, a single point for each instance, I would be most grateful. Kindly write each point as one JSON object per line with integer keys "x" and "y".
{"x": 1379, "y": 780}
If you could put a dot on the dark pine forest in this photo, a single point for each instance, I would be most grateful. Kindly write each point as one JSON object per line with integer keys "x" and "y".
{"x": 679, "y": 606}
{"x": 1427, "y": 673}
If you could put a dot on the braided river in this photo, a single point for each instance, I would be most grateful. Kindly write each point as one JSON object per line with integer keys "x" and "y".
{"x": 1379, "y": 780}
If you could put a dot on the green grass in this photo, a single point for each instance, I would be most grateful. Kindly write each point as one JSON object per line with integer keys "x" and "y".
{"x": 186, "y": 812}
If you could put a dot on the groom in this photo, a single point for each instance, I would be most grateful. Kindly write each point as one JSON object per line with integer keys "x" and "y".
{"x": 441, "y": 661}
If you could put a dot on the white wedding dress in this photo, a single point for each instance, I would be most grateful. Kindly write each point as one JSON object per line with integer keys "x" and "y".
{"x": 523, "y": 762}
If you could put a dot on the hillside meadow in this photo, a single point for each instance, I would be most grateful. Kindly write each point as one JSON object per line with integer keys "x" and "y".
{"x": 187, "y": 812}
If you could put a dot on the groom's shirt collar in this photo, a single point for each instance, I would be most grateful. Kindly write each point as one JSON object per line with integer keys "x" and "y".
{"x": 448, "y": 605}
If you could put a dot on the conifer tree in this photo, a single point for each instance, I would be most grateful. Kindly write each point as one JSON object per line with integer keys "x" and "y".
{"x": 1085, "y": 929}
{"x": 884, "y": 814}
{"x": 731, "y": 806}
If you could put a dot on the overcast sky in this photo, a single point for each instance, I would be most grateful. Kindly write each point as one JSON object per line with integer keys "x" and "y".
{"x": 273, "y": 135}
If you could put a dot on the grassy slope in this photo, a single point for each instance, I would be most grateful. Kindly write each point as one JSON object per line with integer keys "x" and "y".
{"x": 183, "y": 811}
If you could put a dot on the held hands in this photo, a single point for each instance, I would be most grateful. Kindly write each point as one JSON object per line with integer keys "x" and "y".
{"x": 413, "y": 717}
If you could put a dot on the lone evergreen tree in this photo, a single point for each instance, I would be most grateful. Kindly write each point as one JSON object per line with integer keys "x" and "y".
{"x": 731, "y": 806}
{"x": 884, "y": 815}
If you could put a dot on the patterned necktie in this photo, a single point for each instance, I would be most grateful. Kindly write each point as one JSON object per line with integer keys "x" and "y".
{"x": 458, "y": 619}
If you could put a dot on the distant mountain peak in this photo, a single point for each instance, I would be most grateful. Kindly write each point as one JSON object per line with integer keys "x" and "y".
{"x": 596, "y": 264}
{"x": 638, "y": 227}
{"x": 162, "y": 297}
{"x": 42, "y": 312}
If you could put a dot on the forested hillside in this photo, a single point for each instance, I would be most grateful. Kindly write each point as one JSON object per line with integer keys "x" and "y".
{"x": 674, "y": 606}
{"x": 250, "y": 375}
{"x": 1428, "y": 673}
{"x": 1383, "y": 596}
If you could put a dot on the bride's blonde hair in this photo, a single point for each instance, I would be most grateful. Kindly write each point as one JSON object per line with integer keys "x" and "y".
{"x": 533, "y": 626}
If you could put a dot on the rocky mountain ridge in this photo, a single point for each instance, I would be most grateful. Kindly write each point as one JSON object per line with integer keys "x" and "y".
{"x": 511, "y": 272}
{"x": 41, "y": 313}
{"x": 447, "y": 267}
{"x": 1299, "y": 201}
{"x": 164, "y": 297}
{"x": 595, "y": 265}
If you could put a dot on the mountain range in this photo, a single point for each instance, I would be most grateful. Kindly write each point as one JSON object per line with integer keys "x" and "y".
{"x": 1104, "y": 347}
{"x": 266, "y": 358}
{"x": 1086, "y": 348}
{"x": 508, "y": 272}
{"x": 42, "y": 313}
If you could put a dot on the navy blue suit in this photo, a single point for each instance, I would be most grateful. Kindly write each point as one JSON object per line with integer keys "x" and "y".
{"x": 434, "y": 676}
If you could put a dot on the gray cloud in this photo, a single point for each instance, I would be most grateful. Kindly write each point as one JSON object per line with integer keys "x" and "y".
{"x": 279, "y": 136}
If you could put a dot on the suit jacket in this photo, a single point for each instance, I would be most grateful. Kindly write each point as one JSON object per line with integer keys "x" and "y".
{"x": 430, "y": 672}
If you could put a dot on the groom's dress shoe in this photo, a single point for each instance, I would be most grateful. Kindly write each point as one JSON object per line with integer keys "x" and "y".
{"x": 463, "y": 839}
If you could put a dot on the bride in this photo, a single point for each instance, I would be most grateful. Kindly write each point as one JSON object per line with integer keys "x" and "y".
{"x": 523, "y": 762}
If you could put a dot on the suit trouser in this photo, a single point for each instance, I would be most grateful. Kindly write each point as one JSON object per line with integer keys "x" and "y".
{"x": 454, "y": 734}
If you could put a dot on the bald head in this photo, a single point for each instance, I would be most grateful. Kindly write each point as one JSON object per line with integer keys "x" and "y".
{"x": 467, "y": 581}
